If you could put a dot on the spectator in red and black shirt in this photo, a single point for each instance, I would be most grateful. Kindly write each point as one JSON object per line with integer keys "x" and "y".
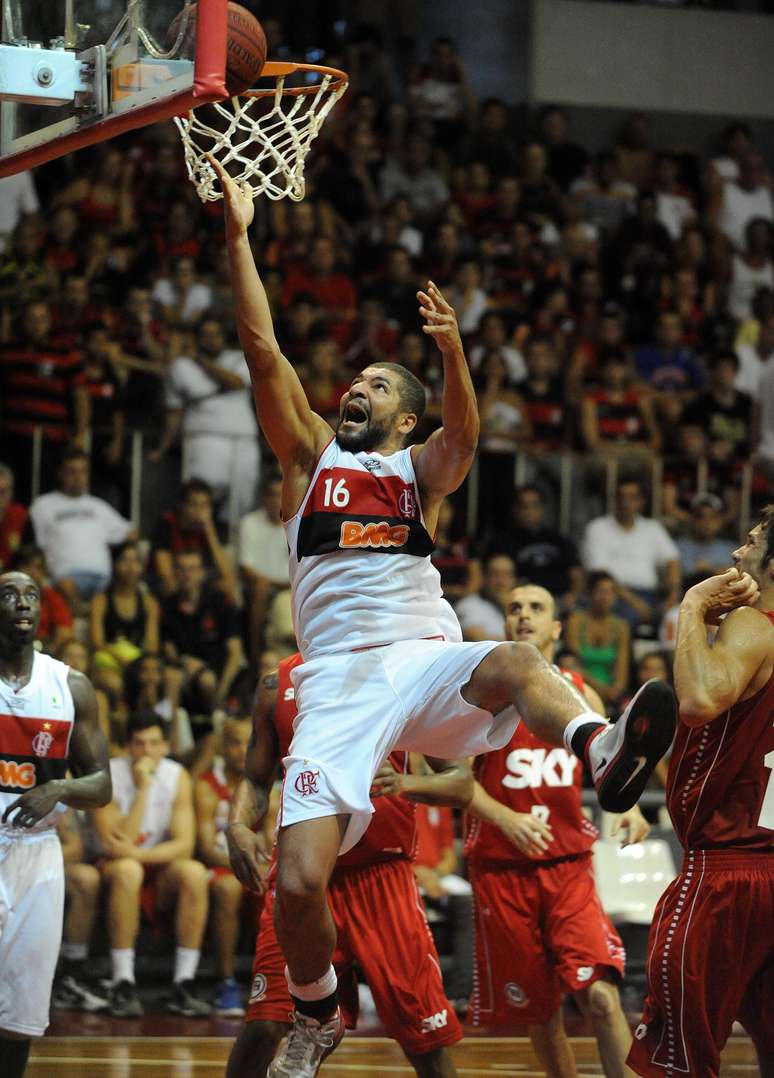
{"x": 543, "y": 396}
{"x": 191, "y": 527}
{"x": 109, "y": 468}
{"x": 13, "y": 518}
{"x": 41, "y": 385}
{"x": 617, "y": 417}
{"x": 200, "y": 631}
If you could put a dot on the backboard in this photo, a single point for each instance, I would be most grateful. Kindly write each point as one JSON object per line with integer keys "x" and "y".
{"x": 75, "y": 72}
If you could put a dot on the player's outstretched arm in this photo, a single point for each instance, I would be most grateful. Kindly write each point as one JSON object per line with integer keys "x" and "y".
{"x": 444, "y": 460}
{"x": 292, "y": 429}
{"x": 711, "y": 679}
{"x": 431, "y": 780}
{"x": 246, "y": 847}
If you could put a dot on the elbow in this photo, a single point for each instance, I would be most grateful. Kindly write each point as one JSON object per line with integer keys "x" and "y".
{"x": 696, "y": 711}
{"x": 105, "y": 790}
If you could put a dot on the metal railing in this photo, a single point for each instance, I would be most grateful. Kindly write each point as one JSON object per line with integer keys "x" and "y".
{"x": 569, "y": 472}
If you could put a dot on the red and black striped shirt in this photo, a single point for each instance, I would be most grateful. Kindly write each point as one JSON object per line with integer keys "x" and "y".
{"x": 36, "y": 388}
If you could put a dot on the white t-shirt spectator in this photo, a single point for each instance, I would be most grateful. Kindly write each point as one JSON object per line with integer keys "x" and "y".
{"x": 76, "y": 533}
{"x": 740, "y": 206}
{"x": 198, "y": 298}
{"x": 263, "y": 547}
{"x": 18, "y": 197}
{"x": 674, "y": 212}
{"x": 633, "y": 557}
{"x": 765, "y": 398}
{"x": 476, "y": 611}
{"x": 751, "y": 368}
{"x": 469, "y": 308}
{"x": 426, "y": 190}
{"x": 514, "y": 361}
{"x": 208, "y": 408}
{"x": 745, "y": 282}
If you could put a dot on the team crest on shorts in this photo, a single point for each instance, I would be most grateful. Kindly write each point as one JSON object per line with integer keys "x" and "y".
{"x": 306, "y": 783}
{"x": 42, "y": 742}
{"x": 640, "y": 1031}
{"x": 516, "y": 995}
{"x": 258, "y": 988}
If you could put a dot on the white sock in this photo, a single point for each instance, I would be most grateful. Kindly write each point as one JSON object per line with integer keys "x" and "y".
{"x": 123, "y": 964}
{"x": 320, "y": 989}
{"x": 74, "y": 952}
{"x": 575, "y": 724}
{"x": 186, "y": 964}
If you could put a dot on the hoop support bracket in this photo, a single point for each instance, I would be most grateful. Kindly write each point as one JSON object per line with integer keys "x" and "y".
{"x": 42, "y": 76}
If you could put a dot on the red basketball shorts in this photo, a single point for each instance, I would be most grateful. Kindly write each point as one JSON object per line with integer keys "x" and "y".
{"x": 710, "y": 961}
{"x": 381, "y": 924}
{"x": 540, "y": 933}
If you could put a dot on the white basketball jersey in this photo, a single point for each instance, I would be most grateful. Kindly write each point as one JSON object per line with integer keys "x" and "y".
{"x": 360, "y": 567}
{"x": 161, "y": 797}
{"x": 36, "y": 722}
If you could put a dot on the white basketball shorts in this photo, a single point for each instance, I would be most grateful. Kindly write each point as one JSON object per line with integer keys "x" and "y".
{"x": 31, "y": 910}
{"x": 354, "y": 708}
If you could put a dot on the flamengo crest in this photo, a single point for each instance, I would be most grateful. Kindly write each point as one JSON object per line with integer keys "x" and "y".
{"x": 42, "y": 742}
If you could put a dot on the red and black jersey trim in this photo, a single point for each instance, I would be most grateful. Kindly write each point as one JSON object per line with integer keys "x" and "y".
{"x": 329, "y": 533}
{"x": 349, "y": 509}
{"x": 20, "y": 773}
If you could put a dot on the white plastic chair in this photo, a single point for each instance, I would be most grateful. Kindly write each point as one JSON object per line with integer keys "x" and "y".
{"x": 631, "y": 879}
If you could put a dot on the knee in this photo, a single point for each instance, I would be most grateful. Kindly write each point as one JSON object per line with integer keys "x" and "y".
{"x": 599, "y": 1001}
{"x": 125, "y": 874}
{"x": 513, "y": 664}
{"x": 192, "y": 876}
{"x": 226, "y": 890}
{"x": 82, "y": 880}
{"x": 301, "y": 882}
{"x": 429, "y": 1064}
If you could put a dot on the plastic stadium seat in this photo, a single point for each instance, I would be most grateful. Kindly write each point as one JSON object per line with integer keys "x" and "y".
{"x": 631, "y": 879}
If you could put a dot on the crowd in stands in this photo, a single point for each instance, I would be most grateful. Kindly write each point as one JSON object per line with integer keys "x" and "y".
{"x": 614, "y": 306}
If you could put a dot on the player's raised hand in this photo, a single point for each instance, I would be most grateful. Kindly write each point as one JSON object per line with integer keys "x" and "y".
{"x": 722, "y": 593}
{"x": 248, "y": 856}
{"x": 387, "y": 781}
{"x": 633, "y": 823}
{"x": 440, "y": 319}
{"x": 237, "y": 201}
{"x": 526, "y": 832}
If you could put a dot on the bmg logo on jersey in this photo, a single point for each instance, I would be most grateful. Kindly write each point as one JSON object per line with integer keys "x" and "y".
{"x": 354, "y": 534}
{"x": 15, "y": 776}
{"x": 306, "y": 783}
{"x": 537, "y": 767}
{"x": 435, "y": 1022}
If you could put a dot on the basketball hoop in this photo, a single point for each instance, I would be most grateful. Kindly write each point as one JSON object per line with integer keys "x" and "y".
{"x": 262, "y": 136}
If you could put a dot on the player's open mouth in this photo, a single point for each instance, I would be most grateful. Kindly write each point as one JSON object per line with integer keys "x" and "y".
{"x": 23, "y": 623}
{"x": 524, "y": 630}
{"x": 354, "y": 414}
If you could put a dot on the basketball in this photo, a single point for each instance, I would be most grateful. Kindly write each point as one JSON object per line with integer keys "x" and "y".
{"x": 245, "y": 47}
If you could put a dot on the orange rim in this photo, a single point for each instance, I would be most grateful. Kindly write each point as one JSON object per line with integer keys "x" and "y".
{"x": 277, "y": 69}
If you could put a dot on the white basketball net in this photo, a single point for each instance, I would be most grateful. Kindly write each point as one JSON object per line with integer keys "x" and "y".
{"x": 264, "y": 148}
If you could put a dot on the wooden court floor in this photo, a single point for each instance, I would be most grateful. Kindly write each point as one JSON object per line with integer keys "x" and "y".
{"x": 205, "y": 1057}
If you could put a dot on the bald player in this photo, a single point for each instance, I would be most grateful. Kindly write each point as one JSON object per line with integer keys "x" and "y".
{"x": 541, "y": 931}
{"x": 48, "y": 724}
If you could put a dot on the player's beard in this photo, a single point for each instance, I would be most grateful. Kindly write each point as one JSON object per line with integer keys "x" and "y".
{"x": 369, "y": 435}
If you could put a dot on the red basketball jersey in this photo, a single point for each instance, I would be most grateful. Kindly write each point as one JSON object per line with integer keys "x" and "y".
{"x": 720, "y": 789}
{"x": 530, "y": 775}
{"x": 392, "y": 831}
